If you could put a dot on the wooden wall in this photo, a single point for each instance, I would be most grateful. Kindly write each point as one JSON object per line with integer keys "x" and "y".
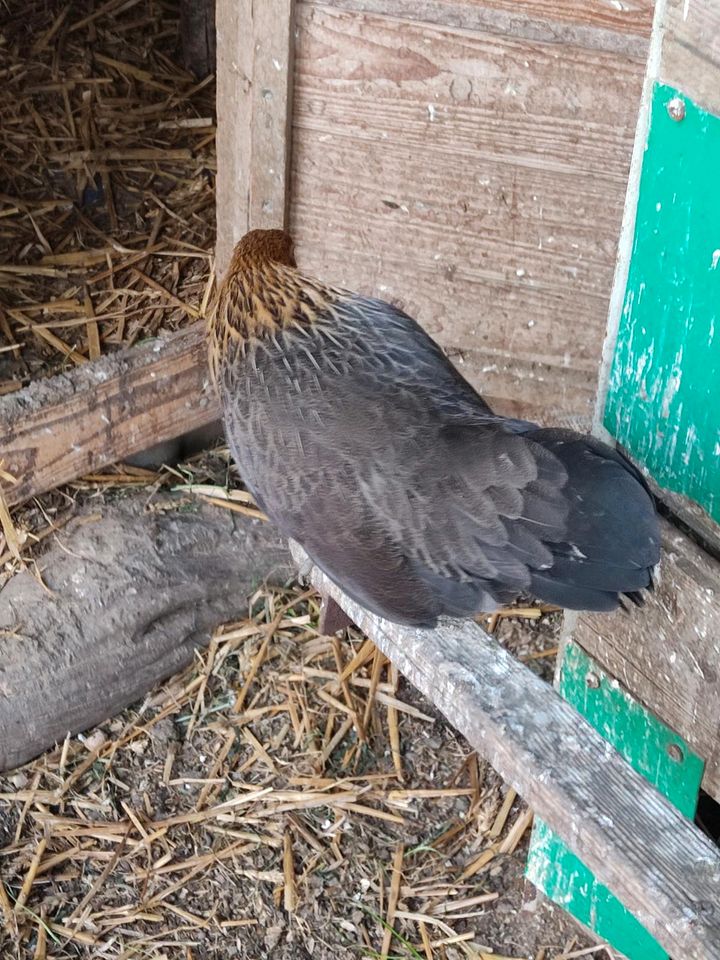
{"x": 468, "y": 161}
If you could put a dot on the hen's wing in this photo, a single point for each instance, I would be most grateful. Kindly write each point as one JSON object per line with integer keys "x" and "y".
{"x": 365, "y": 445}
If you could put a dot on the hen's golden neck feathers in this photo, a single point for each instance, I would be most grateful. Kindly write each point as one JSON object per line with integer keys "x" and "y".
{"x": 261, "y": 247}
{"x": 261, "y": 294}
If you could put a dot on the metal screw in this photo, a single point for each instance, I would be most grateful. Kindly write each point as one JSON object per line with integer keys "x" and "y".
{"x": 675, "y": 753}
{"x": 676, "y": 108}
{"x": 592, "y": 680}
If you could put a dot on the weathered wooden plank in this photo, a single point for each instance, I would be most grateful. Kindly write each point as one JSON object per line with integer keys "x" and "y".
{"x": 647, "y": 389}
{"x": 661, "y": 867}
{"x": 59, "y": 428}
{"x": 623, "y": 28}
{"x": 489, "y": 193}
{"x": 668, "y": 654}
{"x": 691, "y": 50}
{"x": 255, "y": 44}
{"x": 631, "y": 16}
{"x": 126, "y": 599}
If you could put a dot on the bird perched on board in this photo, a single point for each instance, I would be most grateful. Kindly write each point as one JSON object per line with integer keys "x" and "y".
{"x": 363, "y": 443}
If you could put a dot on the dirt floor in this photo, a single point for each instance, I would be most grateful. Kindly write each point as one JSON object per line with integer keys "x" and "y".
{"x": 288, "y": 796}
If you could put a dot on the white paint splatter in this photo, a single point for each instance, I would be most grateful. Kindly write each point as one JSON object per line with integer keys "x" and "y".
{"x": 715, "y": 259}
{"x": 520, "y": 272}
{"x": 431, "y": 112}
{"x": 686, "y": 9}
{"x": 658, "y": 206}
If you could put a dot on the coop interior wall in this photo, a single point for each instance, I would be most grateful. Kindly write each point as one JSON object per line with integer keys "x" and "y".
{"x": 469, "y": 163}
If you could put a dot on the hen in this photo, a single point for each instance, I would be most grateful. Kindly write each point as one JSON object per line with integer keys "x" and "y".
{"x": 362, "y": 442}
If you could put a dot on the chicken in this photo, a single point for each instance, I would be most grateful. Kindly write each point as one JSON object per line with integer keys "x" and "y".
{"x": 362, "y": 442}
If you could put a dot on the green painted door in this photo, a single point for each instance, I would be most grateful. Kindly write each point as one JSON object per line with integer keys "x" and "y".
{"x": 663, "y": 401}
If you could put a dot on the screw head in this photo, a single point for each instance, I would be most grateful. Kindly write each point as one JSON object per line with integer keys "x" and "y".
{"x": 676, "y": 108}
{"x": 675, "y": 753}
{"x": 592, "y": 680}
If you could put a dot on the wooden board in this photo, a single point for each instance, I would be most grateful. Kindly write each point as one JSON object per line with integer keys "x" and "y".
{"x": 622, "y": 28}
{"x": 60, "y": 428}
{"x": 661, "y": 867}
{"x": 663, "y": 391}
{"x": 254, "y": 53}
{"x": 474, "y": 178}
{"x": 668, "y": 654}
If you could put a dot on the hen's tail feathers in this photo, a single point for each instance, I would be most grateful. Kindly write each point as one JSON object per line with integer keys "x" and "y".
{"x": 612, "y": 540}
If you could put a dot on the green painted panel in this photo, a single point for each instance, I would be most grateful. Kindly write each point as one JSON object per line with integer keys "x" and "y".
{"x": 648, "y": 745}
{"x": 567, "y": 881}
{"x": 663, "y": 400}
{"x": 653, "y": 750}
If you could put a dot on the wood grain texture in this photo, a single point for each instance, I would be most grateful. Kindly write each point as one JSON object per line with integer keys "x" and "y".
{"x": 59, "y": 428}
{"x": 661, "y": 867}
{"x": 691, "y": 50}
{"x": 630, "y": 16}
{"x": 668, "y": 654}
{"x": 596, "y": 25}
{"x": 254, "y": 49}
{"x": 76, "y": 650}
{"x": 473, "y": 179}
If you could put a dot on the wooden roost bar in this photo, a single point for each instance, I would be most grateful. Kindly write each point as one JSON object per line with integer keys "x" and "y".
{"x": 485, "y": 164}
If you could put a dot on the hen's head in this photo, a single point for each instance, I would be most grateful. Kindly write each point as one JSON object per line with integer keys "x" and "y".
{"x": 263, "y": 246}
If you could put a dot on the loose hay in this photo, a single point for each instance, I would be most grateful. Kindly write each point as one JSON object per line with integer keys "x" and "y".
{"x": 107, "y": 166}
{"x": 251, "y": 807}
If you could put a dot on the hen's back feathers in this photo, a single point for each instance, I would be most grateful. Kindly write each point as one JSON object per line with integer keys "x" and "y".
{"x": 363, "y": 443}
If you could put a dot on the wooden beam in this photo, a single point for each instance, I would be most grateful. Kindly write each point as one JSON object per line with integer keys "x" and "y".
{"x": 661, "y": 867}
{"x": 254, "y": 55}
{"x": 60, "y": 428}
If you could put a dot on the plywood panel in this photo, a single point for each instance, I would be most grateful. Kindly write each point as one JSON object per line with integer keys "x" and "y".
{"x": 475, "y": 180}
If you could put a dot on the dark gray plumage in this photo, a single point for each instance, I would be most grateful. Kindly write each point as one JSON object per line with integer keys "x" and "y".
{"x": 363, "y": 443}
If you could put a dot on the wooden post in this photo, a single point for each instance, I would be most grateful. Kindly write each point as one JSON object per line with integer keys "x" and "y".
{"x": 254, "y": 51}
{"x": 637, "y": 843}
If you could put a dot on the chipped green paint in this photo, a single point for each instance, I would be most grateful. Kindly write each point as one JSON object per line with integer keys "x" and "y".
{"x": 663, "y": 401}
{"x": 653, "y": 750}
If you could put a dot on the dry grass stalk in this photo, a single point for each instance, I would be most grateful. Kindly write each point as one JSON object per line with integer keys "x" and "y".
{"x": 107, "y": 161}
